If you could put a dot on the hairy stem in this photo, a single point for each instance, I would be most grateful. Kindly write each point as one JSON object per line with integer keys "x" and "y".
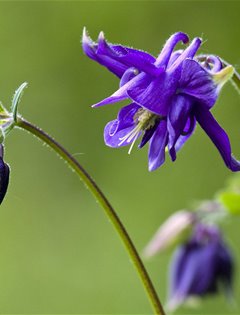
{"x": 102, "y": 200}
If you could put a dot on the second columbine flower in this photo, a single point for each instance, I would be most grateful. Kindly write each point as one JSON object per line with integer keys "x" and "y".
{"x": 168, "y": 95}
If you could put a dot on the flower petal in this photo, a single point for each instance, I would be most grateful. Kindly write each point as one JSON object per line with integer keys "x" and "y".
{"x": 168, "y": 48}
{"x": 156, "y": 153}
{"x": 121, "y": 93}
{"x": 177, "y": 119}
{"x": 197, "y": 82}
{"x": 174, "y": 56}
{"x": 130, "y": 57}
{"x": 148, "y": 134}
{"x": 115, "y": 130}
{"x": 128, "y": 75}
{"x": 225, "y": 268}
{"x": 216, "y": 63}
{"x": 189, "y": 52}
{"x": 175, "y": 228}
{"x": 90, "y": 49}
{"x": 190, "y": 126}
{"x": 210, "y": 62}
{"x": 114, "y": 140}
{"x": 218, "y": 136}
{"x": 4, "y": 179}
{"x": 126, "y": 116}
{"x": 195, "y": 268}
{"x": 154, "y": 94}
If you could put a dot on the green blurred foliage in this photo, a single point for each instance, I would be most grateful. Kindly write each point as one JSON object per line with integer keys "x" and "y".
{"x": 231, "y": 201}
{"x": 229, "y": 196}
{"x": 59, "y": 254}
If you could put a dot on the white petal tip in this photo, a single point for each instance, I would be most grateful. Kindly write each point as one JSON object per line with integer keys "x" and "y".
{"x": 101, "y": 36}
{"x": 85, "y": 37}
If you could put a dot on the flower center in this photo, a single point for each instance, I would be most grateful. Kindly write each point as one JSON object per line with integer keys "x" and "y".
{"x": 144, "y": 120}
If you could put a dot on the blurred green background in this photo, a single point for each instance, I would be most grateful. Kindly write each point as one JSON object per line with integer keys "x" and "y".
{"x": 58, "y": 252}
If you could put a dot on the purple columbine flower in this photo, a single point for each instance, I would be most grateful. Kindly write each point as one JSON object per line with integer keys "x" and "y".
{"x": 4, "y": 175}
{"x": 200, "y": 267}
{"x": 168, "y": 94}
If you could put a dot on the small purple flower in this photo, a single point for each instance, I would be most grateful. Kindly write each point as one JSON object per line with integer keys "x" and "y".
{"x": 168, "y": 95}
{"x": 200, "y": 267}
{"x": 4, "y": 175}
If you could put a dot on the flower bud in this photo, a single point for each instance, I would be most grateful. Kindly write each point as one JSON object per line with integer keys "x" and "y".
{"x": 4, "y": 175}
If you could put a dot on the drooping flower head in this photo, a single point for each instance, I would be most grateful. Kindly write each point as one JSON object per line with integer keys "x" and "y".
{"x": 167, "y": 94}
{"x": 201, "y": 266}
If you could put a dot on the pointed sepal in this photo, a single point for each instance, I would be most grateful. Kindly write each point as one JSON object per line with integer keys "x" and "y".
{"x": 16, "y": 100}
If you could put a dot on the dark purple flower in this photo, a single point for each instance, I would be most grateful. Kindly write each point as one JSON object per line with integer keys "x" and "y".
{"x": 168, "y": 95}
{"x": 4, "y": 175}
{"x": 200, "y": 267}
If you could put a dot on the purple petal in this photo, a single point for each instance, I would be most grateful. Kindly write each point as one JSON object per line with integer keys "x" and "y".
{"x": 177, "y": 119}
{"x": 148, "y": 134}
{"x": 174, "y": 56}
{"x": 190, "y": 126}
{"x": 156, "y": 153}
{"x": 197, "y": 82}
{"x": 154, "y": 94}
{"x": 194, "y": 270}
{"x": 117, "y": 96}
{"x": 206, "y": 280}
{"x": 128, "y": 56}
{"x": 189, "y": 52}
{"x": 119, "y": 51}
{"x": 141, "y": 61}
{"x": 4, "y": 179}
{"x": 126, "y": 116}
{"x": 225, "y": 268}
{"x": 176, "y": 268}
{"x": 168, "y": 48}
{"x": 218, "y": 137}
{"x": 216, "y": 63}
{"x": 90, "y": 49}
{"x": 121, "y": 93}
{"x": 210, "y": 62}
{"x": 115, "y": 140}
{"x": 120, "y": 127}
{"x": 128, "y": 75}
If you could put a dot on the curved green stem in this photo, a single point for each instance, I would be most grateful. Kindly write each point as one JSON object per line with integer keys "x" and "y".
{"x": 100, "y": 197}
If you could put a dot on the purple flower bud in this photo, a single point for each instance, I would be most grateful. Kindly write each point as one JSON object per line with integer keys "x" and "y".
{"x": 201, "y": 266}
{"x": 4, "y": 175}
{"x": 167, "y": 94}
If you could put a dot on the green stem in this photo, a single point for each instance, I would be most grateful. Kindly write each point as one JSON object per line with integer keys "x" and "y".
{"x": 100, "y": 197}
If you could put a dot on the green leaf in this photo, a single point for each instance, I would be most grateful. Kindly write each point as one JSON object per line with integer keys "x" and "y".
{"x": 3, "y": 111}
{"x": 231, "y": 201}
